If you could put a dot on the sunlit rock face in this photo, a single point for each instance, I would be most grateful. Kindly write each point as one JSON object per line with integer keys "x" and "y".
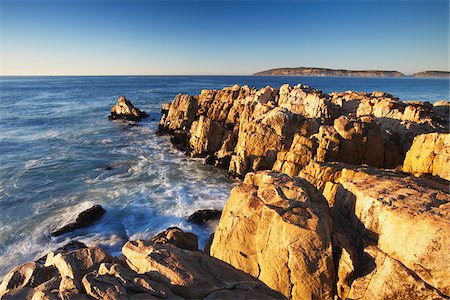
{"x": 125, "y": 110}
{"x": 429, "y": 154}
{"x": 244, "y": 129}
{"x": 278, "y": 229}
{"x": 378, "y": 213}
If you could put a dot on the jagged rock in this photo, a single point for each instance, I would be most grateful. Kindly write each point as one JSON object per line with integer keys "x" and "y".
{"x": 192, "y": 274}
{"x": 77, "y": 263}
{"x": 429, "y": 154}
{"x": 304, "y": 100}
{"x": 125, "y": 110}
{"x": 204, "y": 215}
{"x": 180, "y": 115}
{"x": 178, "y": 238}
{"x": 277, "y": 229}
{"x": 84, "y": 219}
{"x": 260, "y": 140}
{"x": 351, "y": 141}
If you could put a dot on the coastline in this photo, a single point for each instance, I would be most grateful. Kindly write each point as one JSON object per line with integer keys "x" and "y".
{"x": 319, "y": 150}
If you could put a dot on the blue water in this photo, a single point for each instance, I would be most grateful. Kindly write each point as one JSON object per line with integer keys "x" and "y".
{"x": 57, "y": 144}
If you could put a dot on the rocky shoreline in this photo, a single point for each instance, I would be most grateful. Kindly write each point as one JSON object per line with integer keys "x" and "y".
{"x": 343, "y": 195}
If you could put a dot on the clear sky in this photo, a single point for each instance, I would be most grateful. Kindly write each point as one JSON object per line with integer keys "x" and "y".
{"x": 220, "y": 37}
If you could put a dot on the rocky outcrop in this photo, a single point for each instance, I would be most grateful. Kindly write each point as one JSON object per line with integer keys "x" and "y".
{"x": 84, "y": 219}
{"x": 404, "y": 218}
{"x": 277, "y": 229}
{"x": 205, "y": 215}
{"x": 429, "y": 154}
{"x": 156, "y": 269}
{"x": 245, "y": 130}
{"x": 125, "y": 110}
{"x": 351, "y": 141}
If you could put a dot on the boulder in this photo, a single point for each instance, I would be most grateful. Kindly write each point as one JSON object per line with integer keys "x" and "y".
{"x": 429, "y": 154}
{"x": 192, "y": 274}
{"x": 125, "y": 110}
{"x": 278, "y": 229}
{"x": 84, "y": 219}
{"x": 204, "y": 215}
{"x": 178, "y": 238}
{"x": 77, "y": 263}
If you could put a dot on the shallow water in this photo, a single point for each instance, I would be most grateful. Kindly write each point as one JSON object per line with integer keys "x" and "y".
{"x": 60, "y": 155}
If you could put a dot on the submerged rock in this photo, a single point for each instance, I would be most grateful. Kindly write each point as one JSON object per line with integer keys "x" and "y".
{"x": 84, "y": 219}
{"x": 204, "y": 215}
{"x": 125, "y": 110}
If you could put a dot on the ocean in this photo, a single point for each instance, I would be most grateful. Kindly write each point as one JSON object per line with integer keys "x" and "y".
{"x": 59, "y": 155}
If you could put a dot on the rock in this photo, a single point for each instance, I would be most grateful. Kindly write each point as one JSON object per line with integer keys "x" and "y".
{"x": 204, "y": 215}
{"x": 77, "y": 263}
{"x": 17, "y": 279}
{"x": 304, "y": 100}
{"x": 388, "y": 279}
{"x": 180, "y": 115}
{"x": 429, "y": 154}
{"x": 84, "y": 219}
{"x": 278, "y": 229}
{"x": 103, "y": 287}
{"x": 192, "y": 274}
{"x": 407, "y": 218}
{"x": 260, "y": 140}
{"x": 134, "y": 282}
{"x": 125, "y": 110}
{"x": 178, "y": 238}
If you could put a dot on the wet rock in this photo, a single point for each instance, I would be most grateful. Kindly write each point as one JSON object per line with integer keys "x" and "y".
{"x": 178, "y": 238}
{"x": 125, "y": 110}
{"x": 84, "y": 219}
{"x": 278, "y": 229}
{"x": 204, "y": 215}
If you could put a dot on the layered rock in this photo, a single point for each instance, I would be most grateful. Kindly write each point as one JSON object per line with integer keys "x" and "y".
{"x": 125, "y": 110}
{"x": 156, "y": 269}
{"x": 277, "y": 229}
{"x": 429, "y": 154}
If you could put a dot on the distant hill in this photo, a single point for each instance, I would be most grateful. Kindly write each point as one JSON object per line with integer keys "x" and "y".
{"x": 302, "y": 71}
{"x": 305, "y": 71}
{"x": 432, "y": 74}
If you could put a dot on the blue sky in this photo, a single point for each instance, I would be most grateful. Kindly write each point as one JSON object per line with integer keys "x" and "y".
{"x": 220, "y": 37}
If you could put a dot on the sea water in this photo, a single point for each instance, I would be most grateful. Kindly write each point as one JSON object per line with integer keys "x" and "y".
{"x": 59, "y": 155}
